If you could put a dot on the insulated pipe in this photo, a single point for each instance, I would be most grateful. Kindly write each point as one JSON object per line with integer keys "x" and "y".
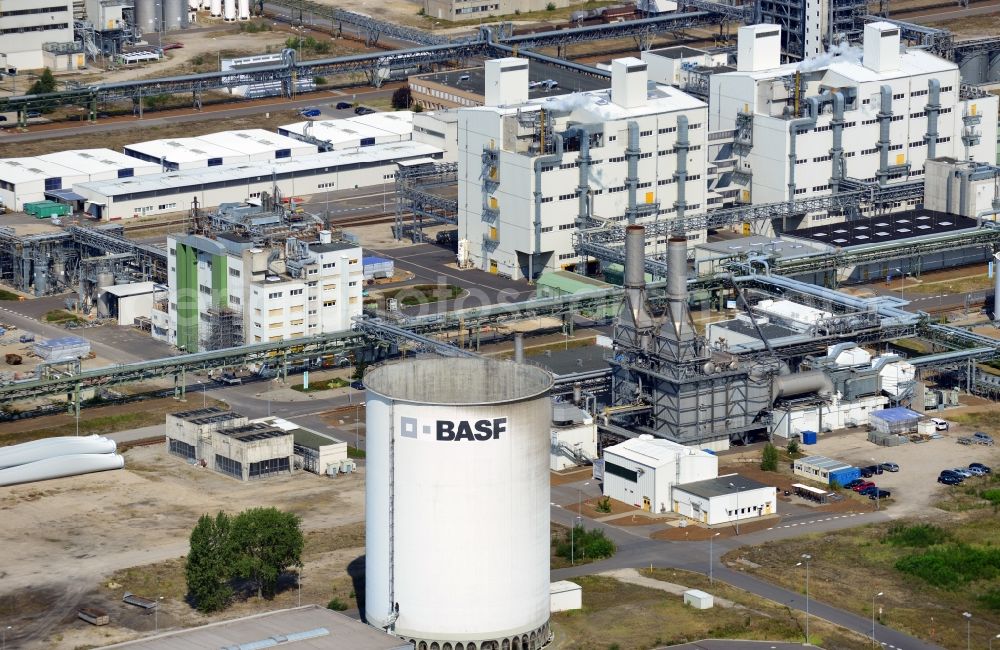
{"x": 933, "y": 109}
{"x": 584, "y": 199}
{"x": 682, "y": 147}
{"x": 519, "y": 348}
{"x": 794, "y": 126}
{"x": 884, "y": 120}
{"x": 837, "y": 150}
{"x": 635, "y": 253}
{"x": 799, "y": 383}
{"x": 677, "y": 268}
{"x": 577, "y": 393}
{"x": 554, "y": 158}
{"x": 996, "y": 287}
{"x": 632, "y": 175}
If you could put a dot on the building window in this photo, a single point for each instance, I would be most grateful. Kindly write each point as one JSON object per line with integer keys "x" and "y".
{"x": 235, "y": 273}
{"x": 202, "y": 288}
{"x": 214, "y": 162}
{"x": 229, "y": 466}
{"x": 182, "y": 449}
{"x": 274, "y": 296}
{"x": 295, "y": 292}
{"x": 269, "y": 467}
{"x": 621, "y": 472}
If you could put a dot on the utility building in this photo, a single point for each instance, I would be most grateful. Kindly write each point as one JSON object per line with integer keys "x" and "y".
{"x": 31, "y": 33}
{"x": 531, "y": 170}
{"x": 727, "y": 498}
{"x": 641, "y": 471}
{"x": 837, "y": 122}
{"x": 226, "y": 291}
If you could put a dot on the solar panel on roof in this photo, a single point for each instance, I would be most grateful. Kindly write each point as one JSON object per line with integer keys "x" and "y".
{"x": 945, "y": 223}
{"x": 862, "y": 236}
{"x": 882, "y": 233}
{"x": 839, "y": 241}
{"x": 903, "y": 230}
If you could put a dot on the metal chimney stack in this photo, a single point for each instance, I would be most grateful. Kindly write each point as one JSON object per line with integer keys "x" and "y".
{"x": 677, "y": 268}
{"x": 519, "y": 348}
{"x": 635, "y": 254}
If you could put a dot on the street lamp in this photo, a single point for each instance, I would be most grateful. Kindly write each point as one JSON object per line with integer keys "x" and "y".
{"x": 298, "y": 583}
{"x": 902, "y": 283}
{"x": 711, "y": 561}
{"x": 204, "y": 394}
{"x": 805, "y": 560}
{"x": 156, "y": 614}
{"x": 5, "y": 636}
{"x": 579, "y": 506}
{"x": 572, "y": 540}
{"x": 873, "y": 616}
{"x": 968, "y": 630}
{"x": 991, "y": 641}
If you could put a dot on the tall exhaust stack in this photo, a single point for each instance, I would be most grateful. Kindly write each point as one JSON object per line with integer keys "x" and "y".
{"x": 677, "y": 327}
{"x": 635, "y": 321}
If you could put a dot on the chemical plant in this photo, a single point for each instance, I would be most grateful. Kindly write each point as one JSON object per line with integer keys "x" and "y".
{"x": 542, "y": 296}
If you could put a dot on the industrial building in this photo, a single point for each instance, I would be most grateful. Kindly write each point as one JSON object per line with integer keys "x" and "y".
{"x": 687, "y": 68}
{"x": 727, "y": 498}
{"x": 353, "y": 132}
{"x": 573, "y": 437}
{"x": 127, "y": 302}
{"x": 217, "y": 149}
{"x": 34, "y": 37}
{"x": 229, "y": 444}
{"x": 467, "y": 86}
{"x": 314, "y": 451}
{"x": 273, "y": 88}
{"x": 811, "y": 27}
{"x": 825, "y": 470}
{"x": 464, "y": 10}
{"x": 26, "y": 180}
{"x": 233, "y": 289}
{"x": 641, "y": 471}
{"x": 466, "y": 437}
{"x": 164, "y": 193}
{"x": 635, "y": 152}
{"x": 812, "y": 128}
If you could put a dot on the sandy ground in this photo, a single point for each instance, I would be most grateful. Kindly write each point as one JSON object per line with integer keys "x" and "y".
{"x": 87, "y": 527}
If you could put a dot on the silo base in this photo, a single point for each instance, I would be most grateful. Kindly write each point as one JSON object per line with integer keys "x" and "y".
{"x": 534, "y": 640}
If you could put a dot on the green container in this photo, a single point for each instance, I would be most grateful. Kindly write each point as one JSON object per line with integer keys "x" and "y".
{"x": 46, "y": 209}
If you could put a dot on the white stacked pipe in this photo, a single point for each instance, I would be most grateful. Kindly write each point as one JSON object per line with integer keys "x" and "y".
{"x": 215, "y": 7}
{"x": 229, "y": 10}
{"x": 244, "y": 10}
{"x": 57, "y": 457}
{"x": 30, "y": 452}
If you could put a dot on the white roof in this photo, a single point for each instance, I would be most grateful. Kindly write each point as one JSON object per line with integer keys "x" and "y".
{"x": 597, "y": 103}
{"x": 26, "y": 170}
{"x": 562, "y": 586}
{"x": 911, "y": 63}
{"x": 95, "y": 161}
{"x": 132, "y": 289}
{"x": 652, "y": 452}
{"x": 193, "y": 178}
{"x": 252, "y": 141}
{"x": 375, "y": 125}
{"x": 399, "y": 122}
{"x": 181, "y": 150}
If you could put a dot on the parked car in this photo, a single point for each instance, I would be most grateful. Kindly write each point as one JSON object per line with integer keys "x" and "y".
{"x": 889, "y": 467}
{"x": 342, "y": 105}
{"x": 871, "y": 489}
{"x": 961, "y": 471}
{"x": 870, "y": 471}
{"x": 863, "y": 486}
{"x": 358, "y": 385}
{"x": 879, "y": 494}
{"x": 229, "y": 380}
{"x": 985, "y": 468}
{"x": 949, "y": 478}
{"x": 939, "y": 424}
{"x": 33, "y": 114}
{"x": 364, "y": 110}
{"x": 310, "y": 112}
{"x": 853, "y": 484}
{"x": 975, "y": 471}
{"x": 982, "y": 438}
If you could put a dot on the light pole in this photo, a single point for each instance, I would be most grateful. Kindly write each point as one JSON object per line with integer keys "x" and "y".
{"x": 8, "y": 627}
{"x": 805, "y": 560}
{"x": 298, "y": 582}
{"x": 902, "y": 283}
{"x": 572, "y": 540}
{"x": 968, "y": 630}
{"x": 579, "y": 506}
{"x": 204, "y": 394}
{"x": 991, "y": 641}
{"x": 711, "y": 560}
{"x": 357, "y": 426}
{"x": 873, "y": 616}
{"x": 156, "y": 614}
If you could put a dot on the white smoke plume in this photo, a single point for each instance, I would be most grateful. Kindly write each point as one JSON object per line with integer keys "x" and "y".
{"x": 839, "y": 53}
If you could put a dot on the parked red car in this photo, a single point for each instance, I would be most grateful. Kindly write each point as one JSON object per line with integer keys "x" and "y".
{"x": 866, "y": 484}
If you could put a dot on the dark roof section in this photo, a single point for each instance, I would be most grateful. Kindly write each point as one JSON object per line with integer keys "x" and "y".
{"x": 715, "y": 487}
{"x": 569, "y": 81}
{"x": 886, "y": 228}
{"x": 253, "y": 432}
{"x": 565, "y": 362}
{"x": 680, "y": 51}
{"x": 334, "y": 246}
{"x": 198, "y": 413}
{"x": 770, "y": 330}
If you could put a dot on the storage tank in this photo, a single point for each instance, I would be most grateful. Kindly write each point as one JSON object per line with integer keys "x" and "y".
{"x": 215, "y": 7}
{"x": 457, "y": 503}
{"x": 174, "y": 12}
{"x": 243, "y": 9}
{"x": 229, "y": 9}
{"x": 147, "y": 15}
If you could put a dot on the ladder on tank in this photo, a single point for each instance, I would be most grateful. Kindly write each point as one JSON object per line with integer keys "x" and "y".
{"x": 390, "y": 622}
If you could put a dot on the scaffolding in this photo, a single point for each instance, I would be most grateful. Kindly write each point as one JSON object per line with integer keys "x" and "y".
{"x": 221, "y": 329}
{"x": 848, "y": 22}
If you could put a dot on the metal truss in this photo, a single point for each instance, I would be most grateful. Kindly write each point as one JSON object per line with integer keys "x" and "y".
{"x": 745, "y": 13}
{"x": 643, "y": 29}
{"x": 413, "y": 197}
{"x": 939, "y": 41}
{"x": 373, "y": 27}
{"x": 385, "y": 331}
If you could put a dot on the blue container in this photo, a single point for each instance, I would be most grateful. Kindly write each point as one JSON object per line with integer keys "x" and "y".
{"x": 844, "y": 476}
{"x": 809, "y": 437}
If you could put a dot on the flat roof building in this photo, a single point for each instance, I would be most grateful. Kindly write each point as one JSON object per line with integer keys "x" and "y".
{"x": 467, "y": 87}
{"x": 641, "y": 471}
{"x": 723, "y": 499}
{"x": 352, "y": 132}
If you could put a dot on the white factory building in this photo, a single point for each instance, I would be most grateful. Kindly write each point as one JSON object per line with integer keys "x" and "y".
{"x": 641, "y": 471}
{"x": 300, "y": 176}
{"x": 218, "y": 149}
{"x": 28, "y": 25}
{"x": 573, "y": 437}
{"x": 25, "y": 180}
{"x": 728, "y": 498}
{"x": 828, "y": 115}
{"x": 360, "y": 131}
{"x": 519, "y": 195}
{"x": 227, "y": 287}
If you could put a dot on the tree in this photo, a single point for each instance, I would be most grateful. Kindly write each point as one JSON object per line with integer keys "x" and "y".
{"x": 208, "y": 563}
{"x": 402, "y": 98}
{"x": 46, "y": 83}
{"x": 267, "y": 542}
{"x": 769, "y": 459}
{"x": 793, "y": 447}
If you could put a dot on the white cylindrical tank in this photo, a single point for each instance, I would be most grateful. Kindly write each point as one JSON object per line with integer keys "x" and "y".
{"x": 194, "y": 5}
{"x": 229, "y": 9}
{"x": 457, "y": 503}
{"x": 215, "y": 7}
{"x": 243, "y": 9}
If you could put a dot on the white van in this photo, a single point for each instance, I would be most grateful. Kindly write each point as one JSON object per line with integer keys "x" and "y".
{"x": 939, "y": 424}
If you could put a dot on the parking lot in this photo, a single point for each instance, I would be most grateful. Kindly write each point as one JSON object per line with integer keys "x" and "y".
{"x": 914, "y": 487}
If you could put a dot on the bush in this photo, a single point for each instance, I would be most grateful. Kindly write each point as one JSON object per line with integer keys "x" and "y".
{"x": 992, "y": 495}
{"x": 550, "y": 7}
{"x": 952, "y": 566}
{"x": 336, "y": 605}
{"x": 769, "y": 458}
{"x": 585, "y": 545}
{"x": 319, "y": 81}
{"x": 603, "y": 505}
{"x": 916, "y": 536}
{"x": 793, "y": 447}
{"x": 402, "y": 98}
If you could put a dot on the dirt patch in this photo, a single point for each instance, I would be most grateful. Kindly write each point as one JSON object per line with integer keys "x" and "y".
{"x": 570, "y": 475}
{"x": 694, "y": 533}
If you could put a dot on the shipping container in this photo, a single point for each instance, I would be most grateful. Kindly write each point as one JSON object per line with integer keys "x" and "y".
{"x": 809, "y": 437}
{"x": 844, "y": 475}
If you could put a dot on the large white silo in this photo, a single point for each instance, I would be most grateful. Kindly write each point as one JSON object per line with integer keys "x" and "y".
{"x": 229, "y": 9}
{"x": 215, "y": 7}
{"x": 457, "y": 503}
{"x": 243, "y": 9}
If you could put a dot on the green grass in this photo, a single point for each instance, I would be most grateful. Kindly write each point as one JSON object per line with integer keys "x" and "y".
{"x": 62, "y": 317}
{"x": 8, "y": 295}
{"x": 354, "y": 452}
{"x": 421, "y": 294}
{"x": 336, "y": 382}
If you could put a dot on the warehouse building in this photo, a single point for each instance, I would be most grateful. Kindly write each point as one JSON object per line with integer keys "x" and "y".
{"x": 227, "y": 443}
{"x": 218, "y": 149}
{"x": 438, "y": 129}
{"x": 352, "y": 132}
{"x": 641, "y": 471}
{"x": 164, "y": 193}
{"x": 314, "y": 451}
{"x": 226, "y": 291}
{"x": 725, "y": 499}
{"x": 826, "y": 116}
{"x": 520, "y": 201}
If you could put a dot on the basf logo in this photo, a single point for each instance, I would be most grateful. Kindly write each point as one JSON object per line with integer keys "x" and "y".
{"x": 449, "y": 431}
